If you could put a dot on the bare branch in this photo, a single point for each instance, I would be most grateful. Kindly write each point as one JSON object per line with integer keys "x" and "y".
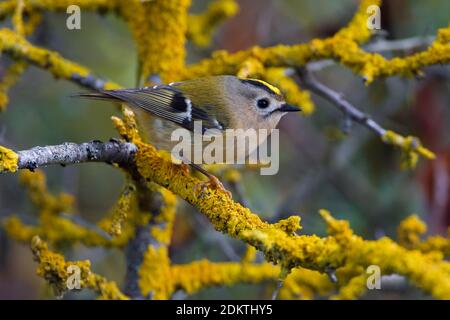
{"x": 400, "y": 45}
{"x": 113, "y": 151}
{"x": 411, "y": 146}
{"x": 336, "y": 98}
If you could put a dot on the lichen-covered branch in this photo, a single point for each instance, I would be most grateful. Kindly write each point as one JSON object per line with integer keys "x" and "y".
{"x": 7, "y": 7}
{"x": 160, "y": 41}
{"x": 161, "y": 53}
{"x": 12, "y": 75}
{"x": 56, "y": 270}
{"x": 59, "y": 224}
{"x": 141, "y": 221}
{"x": 410, "y": 233}
{"x": 278, "y": 241}
{"x": 190, "y": 278}
{"x": 201, "y": 26}
{"x": 340, "y": 48}
{"x": 19, "y": 48}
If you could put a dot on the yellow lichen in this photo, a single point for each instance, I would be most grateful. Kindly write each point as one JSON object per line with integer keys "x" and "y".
{"x": 279, "y": 246}
{"x": 8, "y": 160}
{"x": 302, "y": 261}
{"x": 160, "y": 41}
{"x": 203, "y": 273}
{"x": 196, "y": 275}
{"x": 343, "y": 47}
{"x": 154, "y": 274}
{"x": 305, "y": 284}
{"x": 353, "y": 288}
{"x": 56, "y": 270}
{"x": 35, "y": 183}
{"x": 202, "y": 26}
{"x": 18, "y": 231}
{"x": 411, "y": 148}
{"x": 17, "y": 18}
{"x": 410, "y": 232}
{"x": 357, "y": 29}
{"x": 11, "y": 76}
{"x": 435, "y": 244}
{"x": 121, "y": 210}
{"x": 249, "y": 255}
{"x": 52, "y": 225}
{"x": 19, "y": 47}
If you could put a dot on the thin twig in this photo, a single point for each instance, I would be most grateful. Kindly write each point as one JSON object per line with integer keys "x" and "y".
{"x": 399, "y": 45}
{"x": 222, "y": 241}
{"x": 239, "y": 193}
{"x": 337, "y": 99}
{"x": 276, "y": 292}
{"x": 89, "y": 82}
{"x": 20, "y": 48}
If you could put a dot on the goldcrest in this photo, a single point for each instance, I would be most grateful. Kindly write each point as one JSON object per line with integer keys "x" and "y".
{"x": 219, "y": 102}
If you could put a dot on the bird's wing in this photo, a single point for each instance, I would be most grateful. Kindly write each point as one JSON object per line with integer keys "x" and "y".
{"x": 165, "y": 102}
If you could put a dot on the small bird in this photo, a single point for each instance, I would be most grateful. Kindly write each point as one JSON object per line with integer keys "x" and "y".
{"x": 219, "y": 102}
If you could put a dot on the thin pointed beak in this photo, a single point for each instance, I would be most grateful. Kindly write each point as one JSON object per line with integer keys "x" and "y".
{"x": 289, "y": 108}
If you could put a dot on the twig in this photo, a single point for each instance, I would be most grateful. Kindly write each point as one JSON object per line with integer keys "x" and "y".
{"x": 222, "y": 241}
{"x": 67, "y": 153}
{"x": 89, "y": 81}
{"x": 20, "y": 48}
{"x": 399, "y": 45}
{"x": 276, "y": 292}
{"x": 309, "y": 82}
{"x": 394, "y": 282}
{"x": 239, "y": 193}
{"x": 411, "y": 146}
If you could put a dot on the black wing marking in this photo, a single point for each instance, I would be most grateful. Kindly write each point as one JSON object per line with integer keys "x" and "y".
{"x": 165, "y": 102}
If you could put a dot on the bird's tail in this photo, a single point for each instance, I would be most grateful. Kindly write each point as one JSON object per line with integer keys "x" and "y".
{"x": 103, "y": 95}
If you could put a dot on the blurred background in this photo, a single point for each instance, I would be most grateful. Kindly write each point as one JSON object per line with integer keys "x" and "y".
{"x": 355, "y": 176}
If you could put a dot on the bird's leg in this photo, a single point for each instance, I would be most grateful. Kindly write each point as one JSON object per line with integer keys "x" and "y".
{"x": 183, "y": 164}
{"x": 213, "y": 181}
{"x": 184, "y": 167}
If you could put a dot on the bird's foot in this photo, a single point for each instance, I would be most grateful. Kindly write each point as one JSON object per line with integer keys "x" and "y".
{"x": 184, "y": 167}
{"x": 213, "y": 183}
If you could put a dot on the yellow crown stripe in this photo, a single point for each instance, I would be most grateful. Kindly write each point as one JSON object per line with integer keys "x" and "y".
{"x": 268, "y": 85}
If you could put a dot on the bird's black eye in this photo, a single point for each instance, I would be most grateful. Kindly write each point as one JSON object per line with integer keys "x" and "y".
{"x": 263, "y": 103}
